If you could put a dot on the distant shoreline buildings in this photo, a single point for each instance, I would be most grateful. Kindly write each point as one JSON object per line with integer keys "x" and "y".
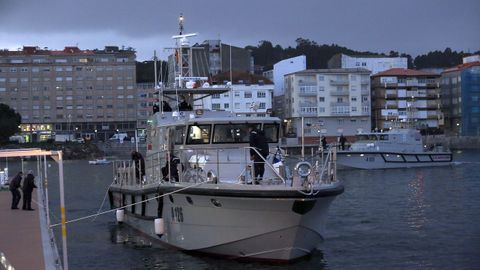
{"x": 94, "y": 93}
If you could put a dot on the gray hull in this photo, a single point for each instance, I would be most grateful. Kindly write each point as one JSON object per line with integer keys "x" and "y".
{"x": 390, "y": 160}
{"x": 239, "y": 227}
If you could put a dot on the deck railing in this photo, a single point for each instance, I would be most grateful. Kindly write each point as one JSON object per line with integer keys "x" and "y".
{"x": 232, "y": 165}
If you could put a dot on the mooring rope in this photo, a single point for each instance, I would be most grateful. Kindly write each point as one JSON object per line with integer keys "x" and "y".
{"x": 115, "y": 209}
{"x": 103, "y": 201}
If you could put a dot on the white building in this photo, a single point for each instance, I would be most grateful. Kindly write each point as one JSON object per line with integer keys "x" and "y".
{"x": 330, "y": 101}
{"x": 373, "y": 63}
{"x": 470, "y": 59}
{"x": 243, "y": 98}
{"x": 283, "y": 67}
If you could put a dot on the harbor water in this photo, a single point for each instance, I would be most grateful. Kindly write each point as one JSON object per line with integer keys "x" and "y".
{"x": 417, "y": 218}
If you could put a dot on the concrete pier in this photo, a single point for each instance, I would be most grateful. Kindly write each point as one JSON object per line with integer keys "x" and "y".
{"x": 24, "y": 237}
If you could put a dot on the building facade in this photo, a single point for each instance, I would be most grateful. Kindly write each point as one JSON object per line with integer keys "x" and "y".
{"x": 243, "y": 98}
{"x": 460, "y": 92}
{"x": 70, "y": 91}
{"x": 375, "y": 64}
{"x": 406, "y": 96}
{"x": 329, "y": 102}
{"x": 276, "y": 75}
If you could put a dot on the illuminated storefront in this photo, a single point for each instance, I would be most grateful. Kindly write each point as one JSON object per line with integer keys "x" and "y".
{"x": 36, "y": 132}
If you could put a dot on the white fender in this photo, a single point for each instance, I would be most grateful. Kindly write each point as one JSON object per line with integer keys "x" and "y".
{"x": 120, "y": 215}
{"x": 159, "y": 226}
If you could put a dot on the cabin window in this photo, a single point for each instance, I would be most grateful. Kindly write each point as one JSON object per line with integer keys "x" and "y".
{"x": 271, "y": 132}
{"x": 230, "y": 133}
{"x": 383, "y": 137}
{"x": 199, "y": 134}
{"x": 179, "y": 134}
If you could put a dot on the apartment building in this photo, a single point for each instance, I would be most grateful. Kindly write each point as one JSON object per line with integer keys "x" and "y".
{"x": 244, "y": 98}
{"x": 408, "y": 96}
{"x": 70, "y": 91}
{"x": 329, "y": 102}
{"x": 460, "y": 93}
{"x": 375, "y": 64}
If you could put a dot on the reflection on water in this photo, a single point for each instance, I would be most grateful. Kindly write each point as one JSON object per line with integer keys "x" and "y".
{"x": 416, "y": 203}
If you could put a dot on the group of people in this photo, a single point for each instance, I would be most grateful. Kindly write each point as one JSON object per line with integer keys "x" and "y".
{"x": 342, "y": 140}
{"x": 182, "y": 106}
{"x": 27, "y": 189}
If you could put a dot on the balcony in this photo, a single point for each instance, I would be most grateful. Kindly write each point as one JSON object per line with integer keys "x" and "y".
{"x": 432, "y": 94}
{"x": 433, "y": 114}
{"x": 307, "y": 104}
{"x": 433, "y": 104}
{"x": 340, "y": 109}
{"x": 308, "y": 111}
{"x": 307, "y": 90}
{"x": 336, "y": 104}
{"x": 340, "y": 93}
{"x": 339, "y": 82}
{"x": 391, "y": 94}
{"x": 307, "y": 93}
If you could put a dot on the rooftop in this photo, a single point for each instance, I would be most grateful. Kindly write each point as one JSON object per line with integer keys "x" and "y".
{"x": 462, "y": 67}
{"x": 68, "y": 50}
{"x": 404, "y": 72}
{"x": 331, "y": 70}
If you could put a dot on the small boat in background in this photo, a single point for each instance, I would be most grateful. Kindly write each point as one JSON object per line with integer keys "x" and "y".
{"x": 99, "y": 161}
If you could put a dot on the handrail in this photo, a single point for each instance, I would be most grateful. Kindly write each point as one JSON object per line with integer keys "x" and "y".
{"x": 265, "y": 161}
{"x": 197, "y": 164}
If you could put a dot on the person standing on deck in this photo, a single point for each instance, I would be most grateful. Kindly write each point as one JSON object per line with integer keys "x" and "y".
{"x": 139, "y": 165}
{"x": 14, "y": 185}
{"x": 27, "y": 188}
{"x": 259, "y": 142}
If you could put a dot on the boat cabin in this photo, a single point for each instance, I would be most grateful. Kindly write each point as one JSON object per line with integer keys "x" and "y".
{"x": 397, "y": 140}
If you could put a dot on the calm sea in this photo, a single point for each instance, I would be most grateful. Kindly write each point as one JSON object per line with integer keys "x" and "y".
{"x": 423, "y": 218}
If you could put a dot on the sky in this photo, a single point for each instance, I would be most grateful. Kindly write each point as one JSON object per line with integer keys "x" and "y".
{"x": 408, "y": 26}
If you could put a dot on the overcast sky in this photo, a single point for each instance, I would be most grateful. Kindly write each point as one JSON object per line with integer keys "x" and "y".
{"x": 410, "y": 26}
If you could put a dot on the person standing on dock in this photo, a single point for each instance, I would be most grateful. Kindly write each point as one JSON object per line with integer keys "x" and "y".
{"x": 14, "y": 185}
{"x": 27, "y": 188}
{"x": 342, "y": 140}
{"x": 324, "y": 143}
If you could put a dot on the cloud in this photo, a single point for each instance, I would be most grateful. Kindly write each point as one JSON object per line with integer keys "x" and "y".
{"x": 409, "y": 26}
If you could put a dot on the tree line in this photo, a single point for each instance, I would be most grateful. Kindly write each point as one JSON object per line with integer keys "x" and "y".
{"x": 266, "y": 54}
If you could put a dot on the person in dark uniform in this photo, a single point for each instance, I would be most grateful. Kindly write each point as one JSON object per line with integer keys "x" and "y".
{"x": 166, "y": 107}
{"x": 171, "y": 167}
{"x": 184, "y": 106}
{"x": 324, "y": 143}
{"x": 155, "y": 108}
{"x": 27, "y": 188}
{"x": 259, "y": 142}
{"x": 342, "y": 140}
{"x": 14, "y": 185}
{"x": 139, "y": 162}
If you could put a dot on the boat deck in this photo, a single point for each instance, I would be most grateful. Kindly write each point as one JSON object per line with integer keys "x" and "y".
{"x": 21, "y": 235}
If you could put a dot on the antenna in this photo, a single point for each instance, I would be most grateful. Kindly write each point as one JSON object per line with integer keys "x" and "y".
{"x": 180, "y": 23}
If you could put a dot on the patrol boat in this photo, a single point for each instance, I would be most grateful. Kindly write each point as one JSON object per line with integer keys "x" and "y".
{"x": 395, "y": 148}
{"x": 198, "y": 192}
